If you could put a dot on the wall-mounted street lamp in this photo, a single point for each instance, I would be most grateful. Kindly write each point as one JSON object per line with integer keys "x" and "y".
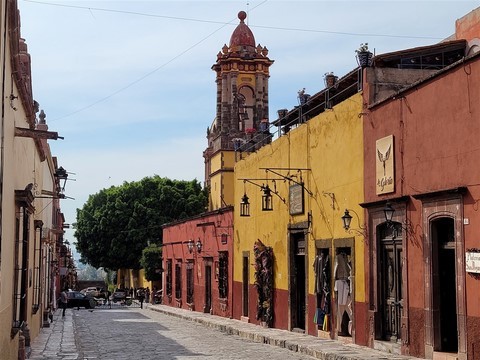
{"x": 191, "y": 245}
{"x": 347, "y": 221}
{"x": 388, "y": 211}
{"x": 268, "y": 192}
{"x": 198, "y": 244}
{"x": 267, "y": 195}
{"x": 397, "y": 227}
{"x": 244, "y": 205}
{"x": 267, "y": 203}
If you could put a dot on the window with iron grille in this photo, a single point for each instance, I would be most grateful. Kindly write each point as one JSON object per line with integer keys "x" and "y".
{"x": 20, "y": 276}
{"x": 169, "y": 277}
{"x": 190, "y": 282}
{"x": 178, "y": 280}
{"x": 37, "y": 262}
{"x": 223, "y": 274}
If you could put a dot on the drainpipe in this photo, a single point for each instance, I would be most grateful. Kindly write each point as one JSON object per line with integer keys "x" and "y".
{"x": 2, "y": 120}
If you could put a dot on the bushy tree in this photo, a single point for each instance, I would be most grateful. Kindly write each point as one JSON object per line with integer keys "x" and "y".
{"x": 117, "y": 223}
{"x": 151, "y": 262}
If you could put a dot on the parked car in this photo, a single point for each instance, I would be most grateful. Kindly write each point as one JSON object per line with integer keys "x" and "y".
{"x": 77, "y": 300}
{"x": 92, "y": 291}
{"x": 118, "y": 295}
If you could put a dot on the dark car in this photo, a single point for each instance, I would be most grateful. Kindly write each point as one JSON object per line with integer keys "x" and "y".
{"x": 118, "y": 295}
{"x": 77, "y": 300}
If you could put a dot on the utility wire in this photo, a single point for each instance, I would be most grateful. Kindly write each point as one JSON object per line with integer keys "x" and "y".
{"x": 142, "y": 77}
{"x": 230, "y": 23}
{"x": 149, "y": 73}
{"x": 224, "y": 24}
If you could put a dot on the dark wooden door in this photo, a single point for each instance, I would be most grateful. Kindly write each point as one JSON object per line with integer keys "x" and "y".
{"x": 245, "y": 293}
{"x": 208, "y": 289}
{"x": 390, "y": 278}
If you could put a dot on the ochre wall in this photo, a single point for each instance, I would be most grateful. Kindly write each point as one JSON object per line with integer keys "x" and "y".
{"x": 331, "y": 145}
{"x": 221, "y": 180}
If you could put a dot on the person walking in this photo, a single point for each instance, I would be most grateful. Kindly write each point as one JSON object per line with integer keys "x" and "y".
{"x": 141, "y": 297}
{"x": 64, "y": 301}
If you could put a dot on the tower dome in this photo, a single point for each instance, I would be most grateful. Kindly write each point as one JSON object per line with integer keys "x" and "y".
{"x": 242, "y": 35}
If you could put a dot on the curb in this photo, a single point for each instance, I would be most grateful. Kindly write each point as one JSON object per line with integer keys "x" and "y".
{"x": 318, "y": 348}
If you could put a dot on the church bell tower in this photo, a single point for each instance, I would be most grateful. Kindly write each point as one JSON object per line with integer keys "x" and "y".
{"x": 241, "y": 123}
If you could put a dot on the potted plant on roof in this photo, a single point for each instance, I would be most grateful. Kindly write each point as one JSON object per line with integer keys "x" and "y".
{"x": 330, "y": 79}
{"x": 364, "y": 56}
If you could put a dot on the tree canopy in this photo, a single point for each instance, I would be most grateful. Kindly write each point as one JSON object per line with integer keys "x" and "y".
{"x": 116, "y": 224}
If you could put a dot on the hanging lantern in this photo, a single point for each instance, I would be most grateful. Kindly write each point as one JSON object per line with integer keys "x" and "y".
{"x": 267, "y": 203}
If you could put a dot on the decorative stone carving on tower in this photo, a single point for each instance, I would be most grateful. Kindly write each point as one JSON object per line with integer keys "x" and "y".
{"x": 241, "y": 121}
{"x": 242, "y": 70}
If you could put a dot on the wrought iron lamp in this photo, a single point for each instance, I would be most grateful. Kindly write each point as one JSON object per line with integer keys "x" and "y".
{"x": 198, "y": 244}
{"x": 245, "y": 204}
{"x": 190, "y": 246}
{"x": 267, "y": 203}
{"x": 388, "y": 210}
{"x": 347, "y": 221}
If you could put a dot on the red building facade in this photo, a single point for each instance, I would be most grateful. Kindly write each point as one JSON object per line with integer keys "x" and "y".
{"x": 197, "y": 263}
{"x": 421, "y": 166}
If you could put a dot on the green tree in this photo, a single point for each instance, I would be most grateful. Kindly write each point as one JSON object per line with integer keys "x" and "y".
{"x": 151, "y": 262}
{"x": 117, "y": 223}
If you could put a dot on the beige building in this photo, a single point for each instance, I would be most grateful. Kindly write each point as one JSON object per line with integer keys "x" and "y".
{"x": 31, "y": 184}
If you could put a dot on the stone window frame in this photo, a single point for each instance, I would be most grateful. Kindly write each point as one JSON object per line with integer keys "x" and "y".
{"x": 448, "y": 203}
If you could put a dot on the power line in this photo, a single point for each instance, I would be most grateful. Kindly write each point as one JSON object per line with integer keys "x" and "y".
{"x": 149, "y": 73}
{"x": 230, "y": 23}
{"x": 223, "y": 24}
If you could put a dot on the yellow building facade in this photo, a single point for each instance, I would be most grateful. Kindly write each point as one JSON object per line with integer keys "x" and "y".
{"x": 314, "y": 173}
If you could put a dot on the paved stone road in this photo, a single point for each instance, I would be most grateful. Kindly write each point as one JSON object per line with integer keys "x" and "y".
{"x": 126, "y": 333}
{"x": 164, "y": 332}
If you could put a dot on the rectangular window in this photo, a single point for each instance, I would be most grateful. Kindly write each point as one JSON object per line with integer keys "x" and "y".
{"x": 190, "y": 282}
{"x": 223, "y": 274}
{"x": 178, "y": 281}
{"x": 21, "y": 273}
{"x": 169, "y": 277}
{"x": 37, "y": 240}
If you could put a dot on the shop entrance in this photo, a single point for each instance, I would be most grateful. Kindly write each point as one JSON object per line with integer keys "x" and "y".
{"x": 444, "y": 288}
{"x": 245, "y": 280}
{"x": 297, "y": 281}
{"x": 390, "y": 281}
{"x": 208, "y": 289}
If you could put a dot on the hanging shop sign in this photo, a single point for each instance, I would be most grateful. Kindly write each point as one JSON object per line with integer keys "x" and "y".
{"x": 296, "y": 199}
{"x": 385, "y": 177}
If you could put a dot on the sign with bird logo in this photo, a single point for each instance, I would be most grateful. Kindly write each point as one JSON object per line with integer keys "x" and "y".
{"x": 385, "y": 176}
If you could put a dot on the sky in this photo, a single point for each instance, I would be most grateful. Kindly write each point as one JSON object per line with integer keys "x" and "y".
{"x": 129, "y": 85}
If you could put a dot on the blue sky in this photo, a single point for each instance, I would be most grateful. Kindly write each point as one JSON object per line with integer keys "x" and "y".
{"x": 129, "y": 83}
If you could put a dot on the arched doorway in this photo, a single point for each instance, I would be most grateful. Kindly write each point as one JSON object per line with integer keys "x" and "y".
{"x": 444, "y": 299}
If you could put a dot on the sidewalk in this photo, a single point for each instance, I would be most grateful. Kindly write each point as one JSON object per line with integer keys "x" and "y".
{"x": 304, "y": 344}
{"x": 56, "y": 341}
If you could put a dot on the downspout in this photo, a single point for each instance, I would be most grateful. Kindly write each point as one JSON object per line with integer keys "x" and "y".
{"x": 2, "y": 120}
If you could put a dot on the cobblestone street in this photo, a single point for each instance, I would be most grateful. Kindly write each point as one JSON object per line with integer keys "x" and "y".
{"x": 161, "y": 332}
{"x": 132, "y": 333}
